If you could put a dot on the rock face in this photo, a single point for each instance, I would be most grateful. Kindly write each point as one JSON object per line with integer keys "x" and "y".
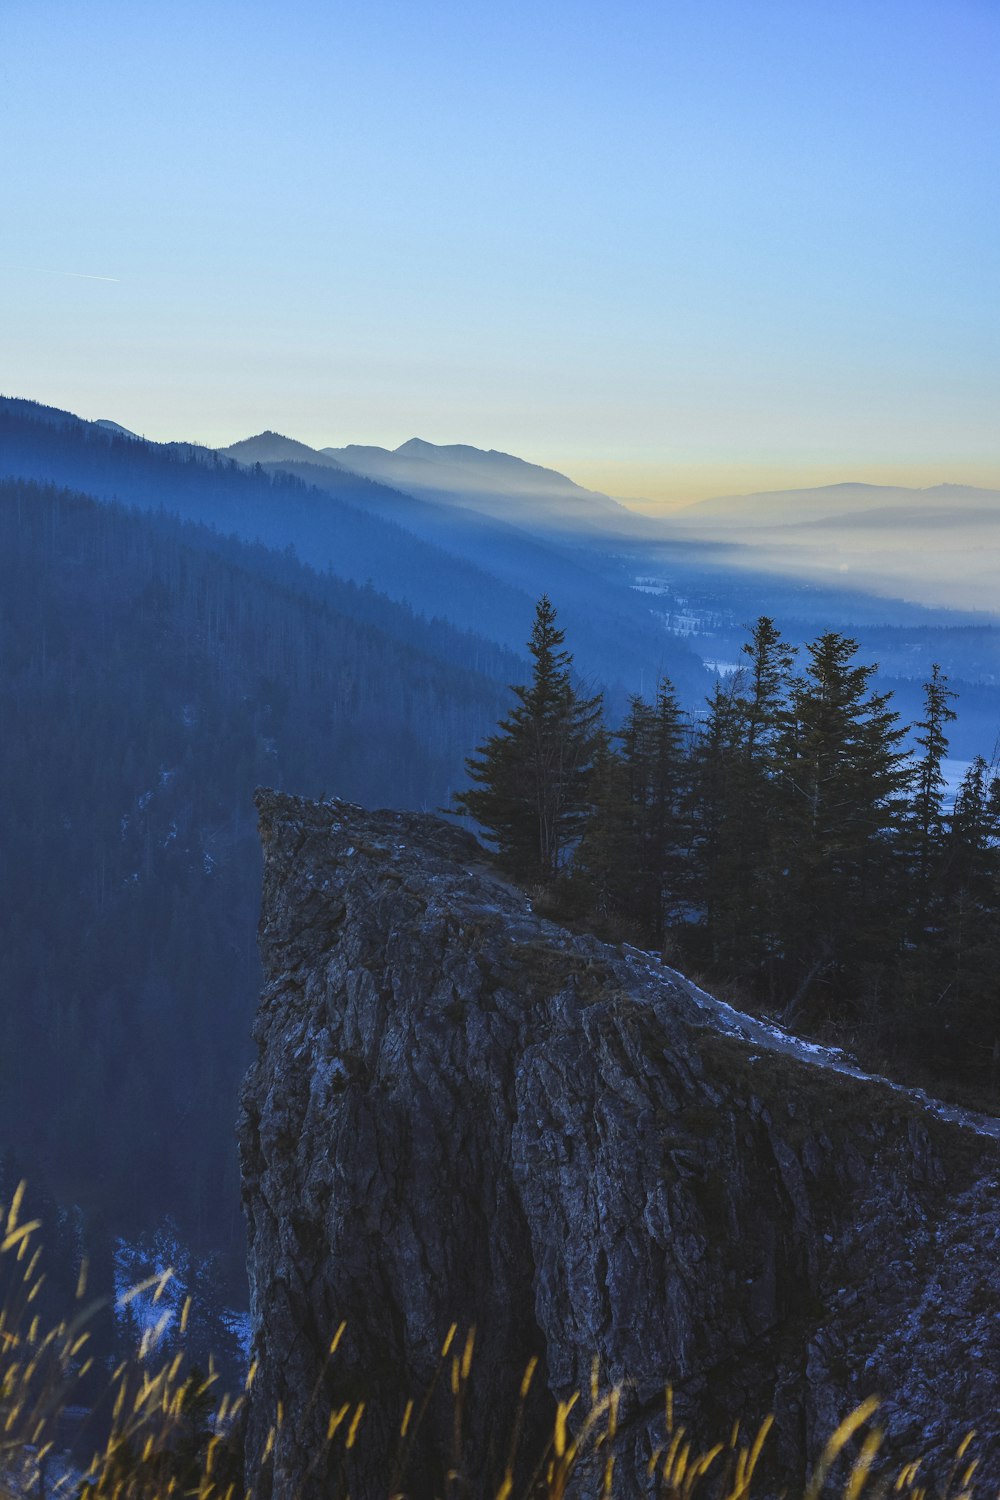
{"x": 461, "y": 1112}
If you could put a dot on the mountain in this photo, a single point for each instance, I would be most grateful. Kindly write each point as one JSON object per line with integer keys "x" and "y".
{"x": 575, "y": 1152}
{"x": 479, "y": 574}
{"x": 832, "y": 503}
{"x": 115, "y": 427}
{"x": 272, "y": 448}
{"x": 633, "y": 607}
{"x": 847, "y": 555}
{"x": 473, "y": 480}
{"x": 497, "y": 484}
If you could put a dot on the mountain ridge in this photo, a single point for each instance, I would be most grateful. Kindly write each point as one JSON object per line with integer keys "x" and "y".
{"x": 362, "y": 529}
{"x": 779, "y": 506}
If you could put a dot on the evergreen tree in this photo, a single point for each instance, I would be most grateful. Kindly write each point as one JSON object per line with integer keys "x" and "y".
{"x": 929, "y": 789}
{"x": 667, "y": 824}
{"x": 765, "y": 690}
{"x": 949, "y": 1009}
{"x": 533, "y": 776}
{"x": 633, "y": 851}
{"x": 757, "y": 857}
{"x": 712, "y": 806}
{"x": 842, "y": 775}
{"x": 740, "y": 856}
{"x": 606, "y": 857}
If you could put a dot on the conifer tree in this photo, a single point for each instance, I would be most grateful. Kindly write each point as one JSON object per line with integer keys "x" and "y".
{"x": 949, "y": 1012}
{"x": 929, "y": 789}
{"x": 604, "y": 864}
{"x": 712, "y": 807}
{"x": 757, "y": 857}
{"x": 668, "y": 838}
{"x": 765, "y": 688}
{"x": 532, "y": 778}
{"x": 740, "y": 808}
{"x": 633, "y": 852}
{"x": 842, "y": 774}
{"x": 972, "y": 864}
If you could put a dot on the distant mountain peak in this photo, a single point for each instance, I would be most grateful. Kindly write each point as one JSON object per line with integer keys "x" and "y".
{"x": 489, "y": 481}
{"x": 115, "y": 427}
{"x": 274, "y": 448}
{"x": 269, "y": 436}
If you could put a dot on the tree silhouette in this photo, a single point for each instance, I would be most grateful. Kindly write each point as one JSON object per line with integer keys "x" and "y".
{"x": 533, "y": 776}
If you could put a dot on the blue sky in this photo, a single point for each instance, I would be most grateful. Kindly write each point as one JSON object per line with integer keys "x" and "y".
{"x": 674, "y": 248}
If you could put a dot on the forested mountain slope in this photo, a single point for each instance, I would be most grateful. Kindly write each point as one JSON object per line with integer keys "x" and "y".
{"x": 194, "y": 483}
{"x": 619, "y": 640}
{"x": 151, "y": 674}
{"x": 478, "y": 574}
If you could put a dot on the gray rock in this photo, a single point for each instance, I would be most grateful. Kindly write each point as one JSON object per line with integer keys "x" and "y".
{"x": 460, "y": 1112}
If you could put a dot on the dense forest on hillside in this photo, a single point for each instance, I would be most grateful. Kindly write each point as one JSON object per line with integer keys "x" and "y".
{"x": 151, "y": 674}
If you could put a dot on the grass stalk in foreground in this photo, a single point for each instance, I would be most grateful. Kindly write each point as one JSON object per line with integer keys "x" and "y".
{"x": 162, "y": 1429}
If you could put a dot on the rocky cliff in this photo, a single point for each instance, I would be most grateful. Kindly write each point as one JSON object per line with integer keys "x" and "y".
{"x": 461, "y": 1112}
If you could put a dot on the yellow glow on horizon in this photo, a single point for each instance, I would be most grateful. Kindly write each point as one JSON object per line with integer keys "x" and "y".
{"x": 656, "y": 487}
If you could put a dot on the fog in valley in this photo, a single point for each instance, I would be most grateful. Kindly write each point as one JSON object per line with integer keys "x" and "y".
{"x": 938, "y": 546}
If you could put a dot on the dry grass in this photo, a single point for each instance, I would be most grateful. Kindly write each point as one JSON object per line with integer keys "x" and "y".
{"x": 167, "y": 1430}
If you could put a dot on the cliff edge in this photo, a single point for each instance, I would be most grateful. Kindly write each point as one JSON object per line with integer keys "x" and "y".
{"x": 460, "y": 1112}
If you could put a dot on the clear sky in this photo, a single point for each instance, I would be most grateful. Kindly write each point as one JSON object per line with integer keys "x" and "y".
{"x": 673, "y": 248}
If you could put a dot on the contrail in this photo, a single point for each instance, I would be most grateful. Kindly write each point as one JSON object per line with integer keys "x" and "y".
{"x": 77, "y": 275}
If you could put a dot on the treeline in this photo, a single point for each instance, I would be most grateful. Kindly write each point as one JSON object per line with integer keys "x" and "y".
{"x": 795, "y": 841}
{"x": 151, "y": 674}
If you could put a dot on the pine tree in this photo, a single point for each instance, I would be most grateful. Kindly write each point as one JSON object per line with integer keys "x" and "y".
{"x": 633, "y": 851}
{"x": 712, "y": 805}
{"x": 950, "y": 989}
{"x": 929, "y": 789}
{"x": 842, "y": 774}
{"x": 740, "y": 809}
{"x": 533, "y": 776}
{"x": 668, "y": 836}
{"x": 765, "y": 690}
{"x": 604, "y": 863}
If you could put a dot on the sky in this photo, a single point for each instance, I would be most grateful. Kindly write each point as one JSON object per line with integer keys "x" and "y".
{"x": 674, "y": 249}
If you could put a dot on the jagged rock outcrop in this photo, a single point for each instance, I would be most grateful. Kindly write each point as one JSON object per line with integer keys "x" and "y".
{"x": 461, "y": 1112}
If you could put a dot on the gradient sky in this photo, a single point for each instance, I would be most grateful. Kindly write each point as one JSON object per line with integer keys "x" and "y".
{"x": 672, "y": 248}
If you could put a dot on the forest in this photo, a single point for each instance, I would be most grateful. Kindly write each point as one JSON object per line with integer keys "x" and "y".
{"x": 794, "y": 845}
{"x": 152, "y": 672}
